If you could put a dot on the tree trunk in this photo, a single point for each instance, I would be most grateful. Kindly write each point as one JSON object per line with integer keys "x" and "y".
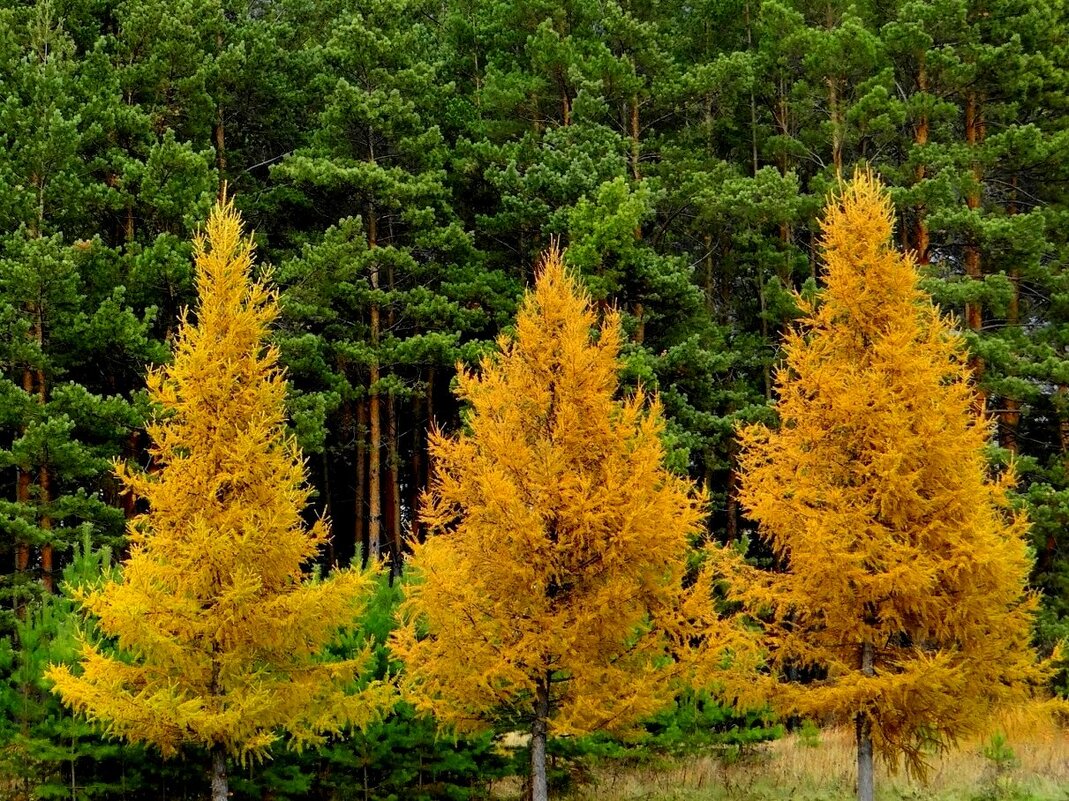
{"x": 865, "y": 781}
{"x": 1010, "y": 415}
{"x": 539, "y": 727}
{"x": 753, "y": 98}
{"x": 22, "y": 496}
{"x": 131, "y": 451}
{"x": 220, "y": 789}
{"x": 431, "y": 421}
{"x": 973, "y": 136}
{"x": 44, "y": 482}
{"x": 394, "y": 489}
{"x": 47, "y": 578}
{"x": 22, "y": 488}
{"x": 783, "y": 125}
{"x": 415, "y": 485}
{"x": 920, "y": 138}
{"x": 974, "y": 318}
{"x": 360, "y": 534}
{"x": 766, "y": 369}
{"x": 636, "y": 151}
{"x": 219, "y": 133}
{"x": 732, "y": 524}
{"x": 710, "y": 274}
{"x": 374, "y": 521}
{"x": 836, "y": 125}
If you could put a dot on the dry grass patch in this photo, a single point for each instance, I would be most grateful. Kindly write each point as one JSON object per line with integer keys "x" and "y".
{"x": 823, "y": 769}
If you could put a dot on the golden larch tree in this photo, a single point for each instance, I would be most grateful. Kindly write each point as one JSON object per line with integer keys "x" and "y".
{"x": 218, "y": 625}
{"x": 902, "y": 588}
{"x": 552, "y": 587}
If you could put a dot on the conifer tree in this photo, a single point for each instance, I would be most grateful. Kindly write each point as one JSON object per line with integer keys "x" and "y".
{"x": 219, "y": 628}
{"x": 553, "y": 591}
{"x": 903, "y": 571}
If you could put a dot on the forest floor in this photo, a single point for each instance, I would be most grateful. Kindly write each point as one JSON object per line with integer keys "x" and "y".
{"x": 822, "y": 768}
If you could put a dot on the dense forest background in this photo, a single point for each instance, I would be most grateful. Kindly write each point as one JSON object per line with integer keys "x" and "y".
{"x": 403, "y": 162}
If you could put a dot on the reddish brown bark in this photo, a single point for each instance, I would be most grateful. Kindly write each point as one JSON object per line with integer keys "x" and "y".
{"x": 921, "y": 239}
{"x": 374, "y": 521}
{"x": 44, "y": 482}
{"x": 1010, "y": 414}
{"x": 360, "y": 533}
{"x": 47, "y": 578}
{"x": 415, "y": 484}
{"x": 393, "y": 494}
{"x": 127, "y": 501}
{"x": 23, "y": 482}
{"x": 219, "y": 133}
{"x": 974, "y": 134}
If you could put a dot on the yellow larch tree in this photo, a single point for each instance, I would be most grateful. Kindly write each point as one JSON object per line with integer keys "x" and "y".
{"x": 219, "y": 628}
{"x": 902, "y": 583}
{"x": 552, "y": 587}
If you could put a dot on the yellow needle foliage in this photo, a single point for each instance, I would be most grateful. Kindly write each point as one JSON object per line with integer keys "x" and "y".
{"x": 219, "y": 627}
{"x": 560, "y": 540}
{"x": 874, "y": 495}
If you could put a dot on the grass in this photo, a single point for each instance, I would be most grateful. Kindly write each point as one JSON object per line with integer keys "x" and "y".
{"x": 822, "y": 768}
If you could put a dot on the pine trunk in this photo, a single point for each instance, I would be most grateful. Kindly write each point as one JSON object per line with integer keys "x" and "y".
{"x": 131, "y": 451}
{"x": 710, "y": 274}
{"x": 44, "y": 482}
{"x": 374, "y": 522}
{"x": 920, "y": 138}
{"x": 783, "y": 124}
{"x": 865, "y": 778}
{"x": 47, "y": 578}
{"x": 1010, "y": 415}
{"x": 22, "y": 489}
{"x": 394, "y": 489}
{"x": 753, "y": 97}
{"x": 220, "y": 788}
{"x": 636, "y": 151}
{"x": 732, "y": 524}
{"x": 415, "y": 485}
{"x": 219, "y": 133}
{"x": 539, "y": 727}
{"x": 836, "y": 125}
{"x": 360, "y": 533}
{"x": 973, "y": 136}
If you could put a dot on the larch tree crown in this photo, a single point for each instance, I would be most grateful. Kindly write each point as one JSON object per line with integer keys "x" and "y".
{"x": 902, "y": 574}
{"x": 553, "y": 588}
{"x": 218, "y": 625}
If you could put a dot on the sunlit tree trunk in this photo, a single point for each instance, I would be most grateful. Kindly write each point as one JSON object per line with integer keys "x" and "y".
{"x": 220, "y": 788}
{"x": 865, "y": 777}
{"x": 539, "y": 728}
